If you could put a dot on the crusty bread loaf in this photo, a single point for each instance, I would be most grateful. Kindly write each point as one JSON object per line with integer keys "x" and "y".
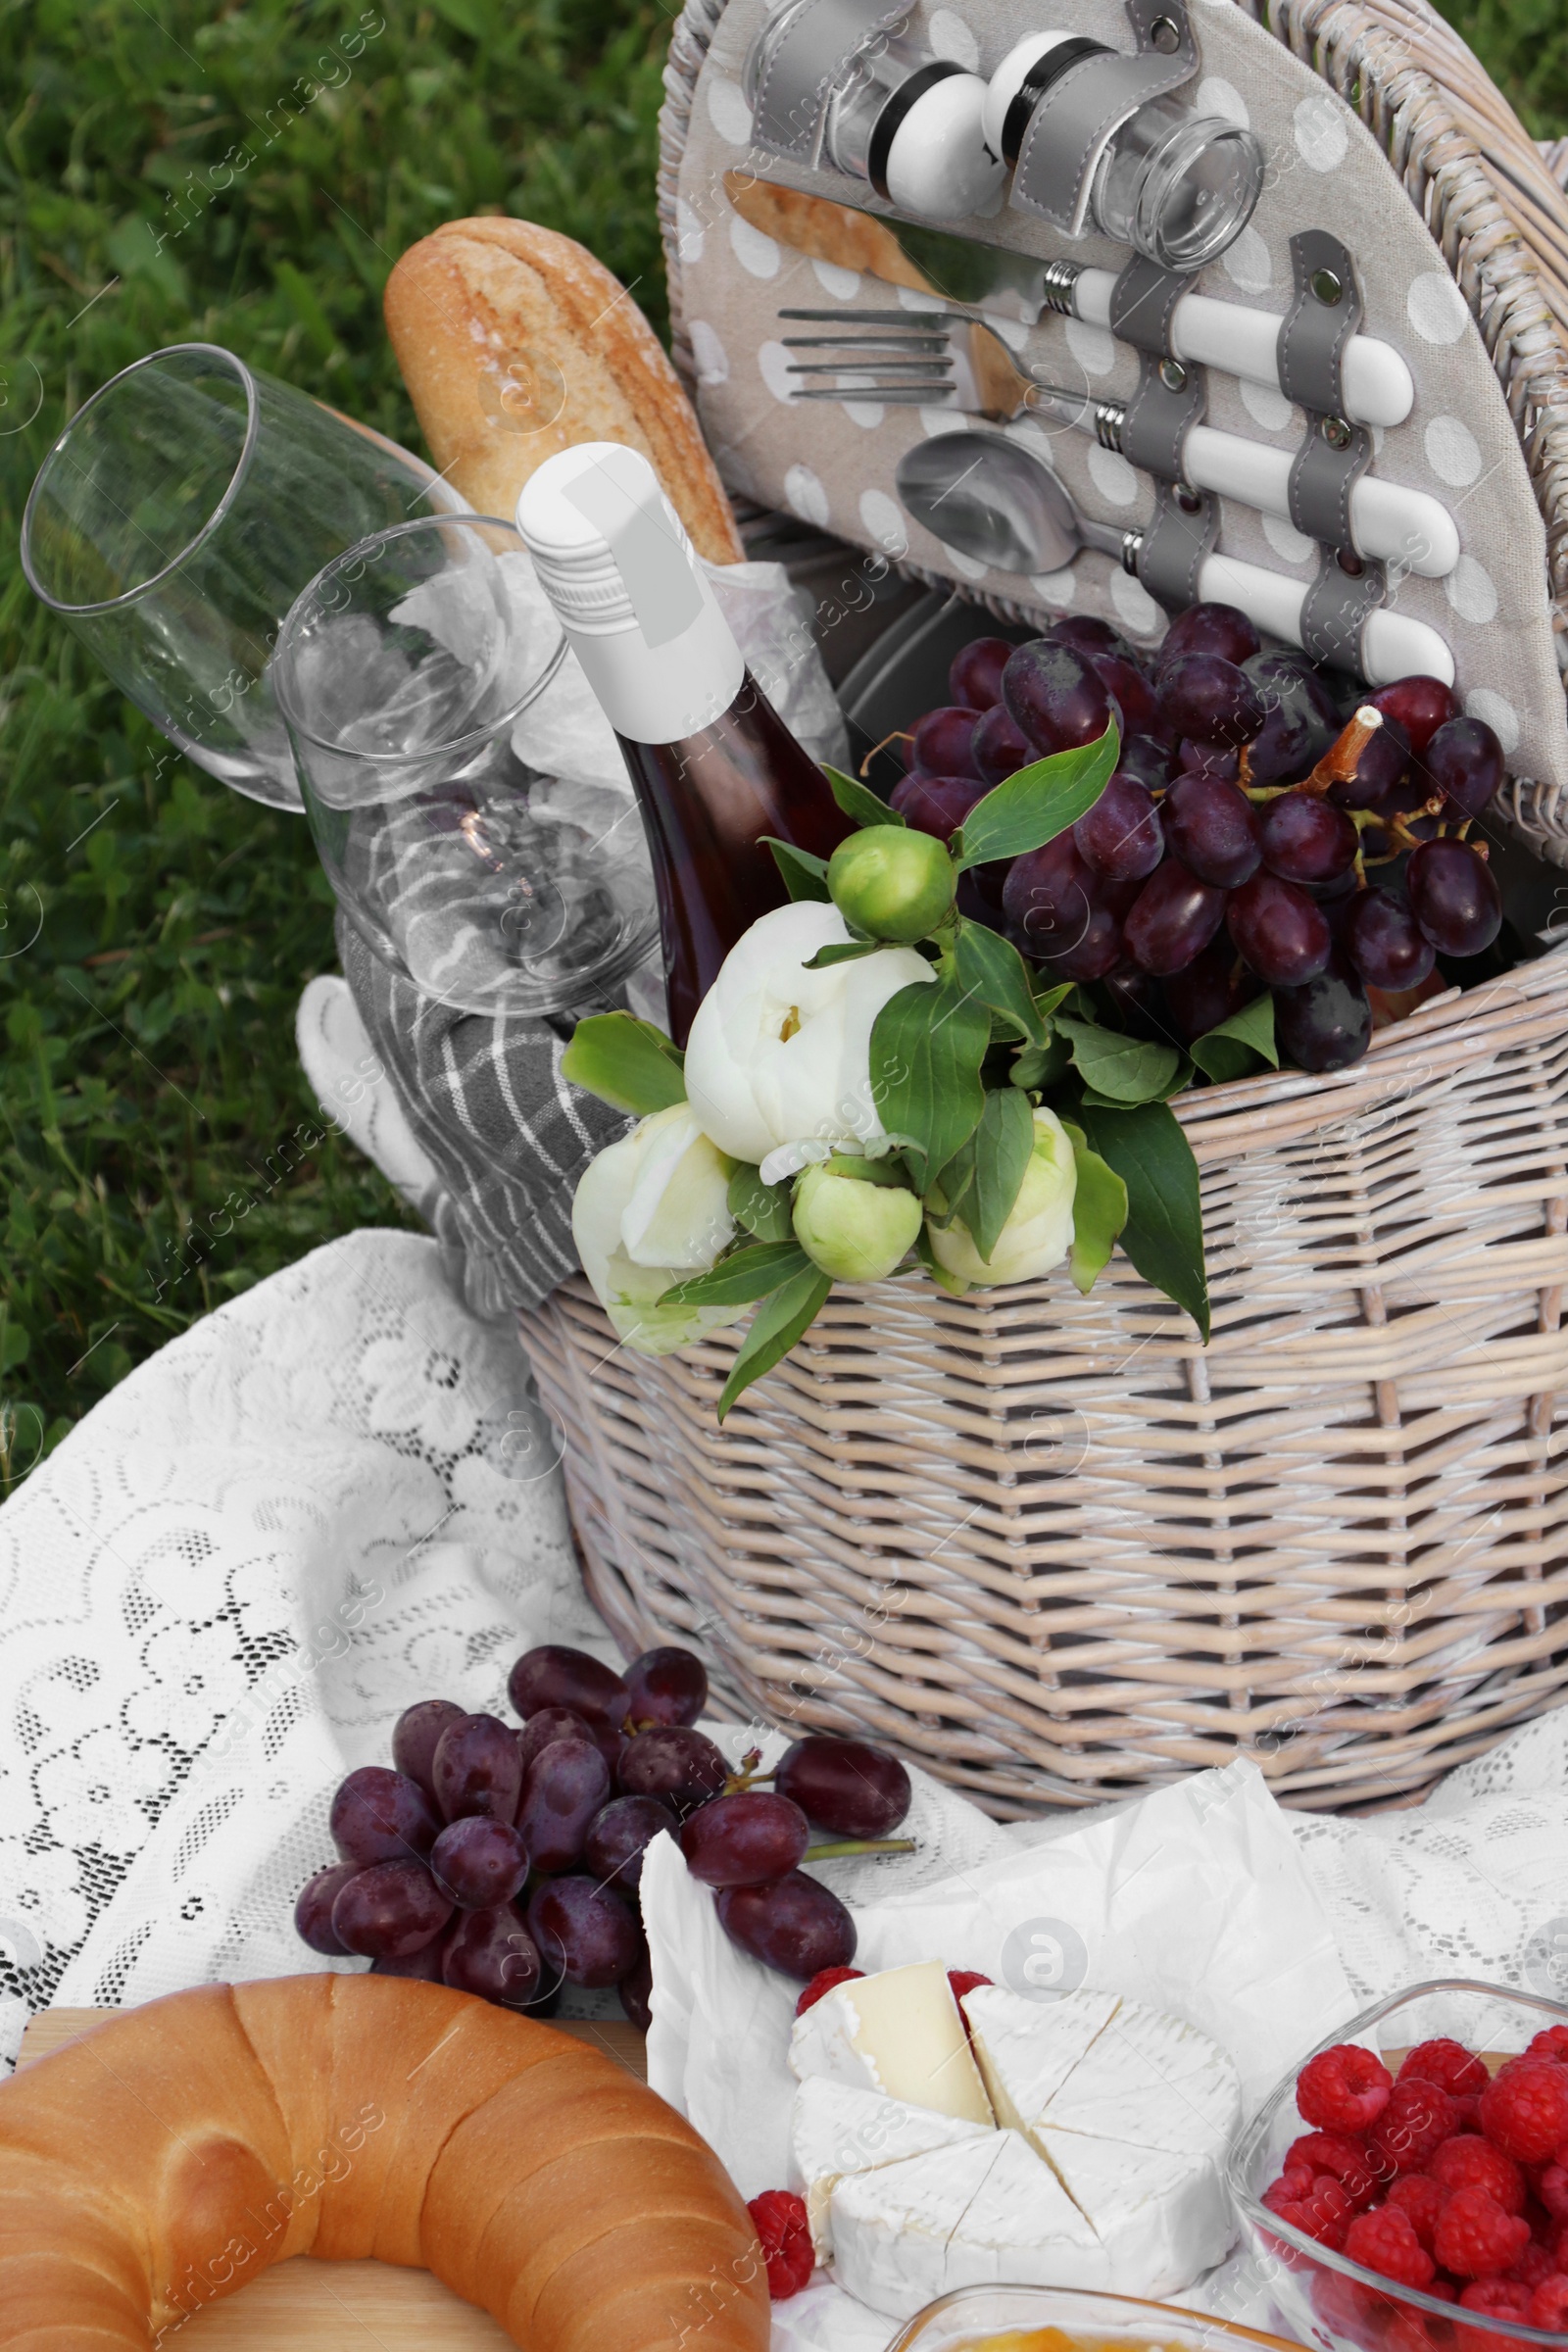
{"x": 480, "y": 298}
{"x": 176, "y": 2151}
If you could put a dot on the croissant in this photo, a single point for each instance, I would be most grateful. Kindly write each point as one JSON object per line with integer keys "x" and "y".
{"x": 176, "y": 2151}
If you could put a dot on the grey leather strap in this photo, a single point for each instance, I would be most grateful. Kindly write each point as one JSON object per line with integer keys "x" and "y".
{"x": 801, "y": 66}
{"x": 1337, "y": 605}
{"x": 1143, "y": 303}
{"x": 1330, "y": 461}
{"x": 1182, "y": 532}
{"x": 1167, "y": 404}
{"x": 1079, "y": 114}
{"x": 1323, "y": 315}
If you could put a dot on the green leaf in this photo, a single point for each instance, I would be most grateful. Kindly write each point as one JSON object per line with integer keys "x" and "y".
{"x": 1038, "y": 1067}
{"x": 775, "y": 1327}
{"x": 761, "y": 1209}
{"x": 927, "y": 1045}
{"x": 1165, "y": 1231}
{"x": 1048, "y": 999}
{"x": 953, "y": 1284}
{"x": 625, "y": 1062}
{"x": 859, "y": 800}
{"x": 1003, "y": 1144}
{"x": 993, "y": 967}
{"x": 1125, "y": 1070}
{"x": 1236, "y": 1048}
{"x": 1099, "y": 1211}
{"x": 805, "y": 876}
{"x": 1037, "y": 802}
{"x": 843, "y": 950}
{"x": 748, "y": 1273}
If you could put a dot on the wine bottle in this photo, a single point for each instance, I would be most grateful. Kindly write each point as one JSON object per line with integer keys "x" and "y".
{"x": 715, "y": 768}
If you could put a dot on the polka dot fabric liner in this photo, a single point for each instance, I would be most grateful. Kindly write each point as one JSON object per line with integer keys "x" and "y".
{"x": 834, "y": 465}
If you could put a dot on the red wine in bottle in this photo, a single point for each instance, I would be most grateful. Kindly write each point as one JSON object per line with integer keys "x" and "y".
{"x": 716, "y": 769}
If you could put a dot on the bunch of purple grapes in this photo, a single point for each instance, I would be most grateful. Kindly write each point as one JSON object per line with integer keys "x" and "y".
{"x": 1230, "y": 850}
{"x": 507, "y": 1863}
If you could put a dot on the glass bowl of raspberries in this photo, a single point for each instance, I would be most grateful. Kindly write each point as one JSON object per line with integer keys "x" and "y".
{"x": 1405, "y": 2187}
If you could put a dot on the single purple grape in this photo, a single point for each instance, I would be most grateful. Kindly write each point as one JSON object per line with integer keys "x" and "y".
{"x": 382, "y": 1816}
{"x": 741, "y": 1839}
{"x": 1087, "y": 635}
{"x": 936, "y": 804}
{"x": 1454, "y": 897}
{"x": 1325, "y": 1025}
{"x": 1174, "y": 919}
{"x": 619, "y": 1837}
{"x": 1209, "y": 629}
{"x": 1212, "y": 829}
{"x": 492, "y": 1954}
{"x": 1205, "y": 699}
{"x": 636, "y": 1990}
{"x": 564, "y": 1723}
{"x": 476, "y": 1769}
{"x": 1138, "y": 710}
{"x": 425, "y": 1966}
{"x": 1307, "y": 839}
{"x": 480, "y": 1862}
{"x": 676, "y": 1763}
{"x": 846, "y": 1785}
{"x": 1463, "y": 761}
{"x": 1207, "y": 759}
{"x": 1095, "y": 954}
{"x": 1300, "y": 721}
{"x": 313, "y": 1908}
{"x": 975, "y": 678}
{"x": 1282, "y": 933}
{"x": 1216, "y": 985}
{"x": 1048, "y": 897}
{"x": 584, "y": 1931}
{"x": 566, "y": 1785}
{"x": 1053, "y": 696}
{"x": 1139, "y": 1004}
{"x": 944, "y": 740}
{"x": 1147, "y": 762}
{"x": 1384, "y": 941}
{"x": 1382, "y": 780}
{"x": 999, "y": 749}
{"x": 665, "y": 1686}
{"x": 414, "y": 1735}
{"x": 792, "y": 1924}
{"x": 1421, "y": 704}
{"x": 1121, "y": 836}
{"x": 554, "y": 1676}
{"x": 389, "y": 1910}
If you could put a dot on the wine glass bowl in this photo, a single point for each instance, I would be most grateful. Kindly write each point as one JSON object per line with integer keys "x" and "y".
{"x": 403, "y": 673}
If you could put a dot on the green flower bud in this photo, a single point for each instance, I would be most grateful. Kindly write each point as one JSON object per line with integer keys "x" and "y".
{"x": 892, "y": 882}
{"x": 854, "y": 1230}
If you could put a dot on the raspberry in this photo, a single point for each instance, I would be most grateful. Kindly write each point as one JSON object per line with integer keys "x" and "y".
{"x": 1475, "y": 2237}
{"x": 1418, "y": 2118}
{"x": 1498, "y": 2298}
{"x": 1549, "y": 2305}
{"x": 1553, "y": 2191}
{"x": 1524, "y": 2110}
{"x": 1471, "y": 2163}
{"x": 1322, "y": 2213}
{"x": 779, "y": 2219}
{"x": 1293, "y": 2184}
{"x": 1448, "y": 2064}
{"x": 965, "y": 1980}
{"x": 1533, "y": 2264}
{"x": 1386, "y": 2241}
{"x": 1342, "y": 2089}
{"x": 1550, "y": 2043}
{"x": 1337, "y": 2153}
{"x": 824, "y": 1982}
{"x": 1422, "y": 2200}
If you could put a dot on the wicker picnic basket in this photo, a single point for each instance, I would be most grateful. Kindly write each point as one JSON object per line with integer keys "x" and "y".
{"x": 1056, "y": 1550}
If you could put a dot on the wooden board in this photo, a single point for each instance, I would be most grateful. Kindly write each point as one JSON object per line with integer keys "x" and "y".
{"x": 309, "y": 2306}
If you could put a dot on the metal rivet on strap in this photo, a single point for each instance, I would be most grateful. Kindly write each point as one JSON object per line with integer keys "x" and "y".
{"x": 1336, "y": 432}
{"x": 1327, "y": 287}
{"x": 1165, "y": 36}
{"x": 1350, "y": 562}
{"x": 1189, "y": 501}
{"x": 1173, "y": 375}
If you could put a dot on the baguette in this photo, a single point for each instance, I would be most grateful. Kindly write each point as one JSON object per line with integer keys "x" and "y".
{"x": 482, "y": 297}
{"x": 177, "y": 2150}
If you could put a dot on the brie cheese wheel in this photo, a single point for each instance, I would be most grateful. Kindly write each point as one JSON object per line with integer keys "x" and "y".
{"x": 836, "y": 2130}
{"x": 1160, "y": 2219}
{"x": 985, "y": 2212}
{"x": 1027, "y": 2049}
{"x": 899, "y": 2032}
{"x": 1151, "y": 2081}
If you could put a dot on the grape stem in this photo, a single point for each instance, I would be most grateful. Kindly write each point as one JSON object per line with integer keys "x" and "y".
{"x": 1342, "y": 758}
{"x": 895, "y": 735}
{"x": 858, "y": 1846}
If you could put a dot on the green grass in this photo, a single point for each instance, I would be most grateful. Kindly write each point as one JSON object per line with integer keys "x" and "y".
{"x": 155, "y": 931}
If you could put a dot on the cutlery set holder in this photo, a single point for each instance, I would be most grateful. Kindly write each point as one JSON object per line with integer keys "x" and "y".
{"x": 1053, "y": 1547}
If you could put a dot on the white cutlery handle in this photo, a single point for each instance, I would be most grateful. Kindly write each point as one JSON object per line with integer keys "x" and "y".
{"x": 1394, "y": 525}
{"x": 1393, "y": 646}
{"x": 1240, "y": 341}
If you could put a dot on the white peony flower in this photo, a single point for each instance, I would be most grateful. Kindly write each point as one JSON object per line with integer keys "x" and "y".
{"x": 650, "y": 1210}
{"x": 779, "y": 1057}
{"x": 1038, "y": 1235}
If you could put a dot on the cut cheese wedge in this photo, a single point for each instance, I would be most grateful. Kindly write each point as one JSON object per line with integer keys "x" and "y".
{"x": 978, "y": 2214}
{"x": 1027, "y": 2049}
{"x": 1160, "y": 2219}
{"x": 899, "y": 2032}
{"x": 1151, "y": 2081}
{"x": 835, "y": 2130}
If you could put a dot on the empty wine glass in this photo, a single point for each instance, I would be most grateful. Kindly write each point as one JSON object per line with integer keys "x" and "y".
{"x": 403, "y": 673}
{"x": 175, "y": 521}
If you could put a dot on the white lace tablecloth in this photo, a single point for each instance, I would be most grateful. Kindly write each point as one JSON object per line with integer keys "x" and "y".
{"x": 334, "y": 1496}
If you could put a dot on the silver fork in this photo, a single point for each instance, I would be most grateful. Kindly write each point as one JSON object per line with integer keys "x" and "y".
{"x": 929, "y": 358}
